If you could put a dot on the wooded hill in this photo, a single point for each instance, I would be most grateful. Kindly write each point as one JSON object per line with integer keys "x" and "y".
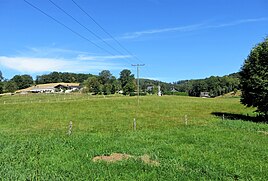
{"x": 215, "y": 85}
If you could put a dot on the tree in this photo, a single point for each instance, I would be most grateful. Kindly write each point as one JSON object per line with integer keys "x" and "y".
{"x": 93, "y": 85}
{"x": 1, "y": 76}
{"x": 107, "y": 89}
{"x": 254, "y": 78}
{"x": 127, "y": 81}
{"x": 22, "y": 81}
{"x": 105, "y": 77}
{"x": 10, "y": 86}
{"x": 115, "y": 85}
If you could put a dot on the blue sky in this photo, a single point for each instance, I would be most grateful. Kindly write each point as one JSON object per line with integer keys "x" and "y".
{"x": 175, "y": 39}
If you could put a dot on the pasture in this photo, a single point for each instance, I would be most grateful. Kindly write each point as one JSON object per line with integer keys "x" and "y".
{"x": 34, "y": 144}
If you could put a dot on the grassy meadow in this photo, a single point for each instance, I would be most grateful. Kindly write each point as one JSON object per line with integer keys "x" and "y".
{"x": 34, "y": 144}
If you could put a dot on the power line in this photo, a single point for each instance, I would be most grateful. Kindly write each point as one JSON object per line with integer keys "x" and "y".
{"x": 101, "y": 27}
{"x": 73, "y": 31}
{"x": 105, "y": 31}
{"x": 97, "y": 36}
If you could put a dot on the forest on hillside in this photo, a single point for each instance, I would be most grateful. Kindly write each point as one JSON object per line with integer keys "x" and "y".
{"x": 106, "y": 83}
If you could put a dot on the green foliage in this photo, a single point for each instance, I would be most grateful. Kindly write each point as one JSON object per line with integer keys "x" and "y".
{"x": 216, "y": 86}
{"x": 10, "y": 86}
{"x": 115, "y": 85}
{"x": 254, "y": 78}
{"x": 1, "y": 76}
{"x": 127, "y": 81}
{"x": 34, "y": 144}
{"x": 1, "y": 87}
{"x": 177, "y": 93}
{"x": 151, "y": 86}
{"x": 22, "y": 81}
{"x": 107, "y": 89}
{"x": 56, "y": 77}
{"x": 105, "y": 77}
{"x": 93, "y": 85}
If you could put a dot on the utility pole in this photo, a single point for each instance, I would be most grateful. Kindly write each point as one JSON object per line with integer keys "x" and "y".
{"x": 138, "y": 77}
{"x": 138, "y": 82}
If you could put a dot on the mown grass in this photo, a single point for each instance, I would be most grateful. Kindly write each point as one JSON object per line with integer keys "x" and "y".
{"x": 34, "y": 144}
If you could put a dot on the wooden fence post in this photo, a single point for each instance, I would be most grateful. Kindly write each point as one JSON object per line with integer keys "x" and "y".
{"x": 134, "y": 124}
{"x": 186, "y": 120}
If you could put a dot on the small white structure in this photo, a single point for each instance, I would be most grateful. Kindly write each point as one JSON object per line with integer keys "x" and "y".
{"x": 204, "y": 94}
{"x": 159, "y": 91}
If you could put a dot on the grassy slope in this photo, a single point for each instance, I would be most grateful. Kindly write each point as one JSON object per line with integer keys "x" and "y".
{"x": 34, "y": 144}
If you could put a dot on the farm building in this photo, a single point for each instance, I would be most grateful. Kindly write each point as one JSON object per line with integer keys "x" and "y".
{"x": 51, "y": 88}
{"x": 204, "y": 94}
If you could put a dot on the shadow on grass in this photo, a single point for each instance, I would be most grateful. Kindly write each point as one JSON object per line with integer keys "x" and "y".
{"x": 231, "y": 116}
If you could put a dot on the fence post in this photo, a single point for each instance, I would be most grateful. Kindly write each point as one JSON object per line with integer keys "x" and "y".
{"x": 70, "y": 128}
{"x": 134, "y": 124}
{"x": 186, "y": 120}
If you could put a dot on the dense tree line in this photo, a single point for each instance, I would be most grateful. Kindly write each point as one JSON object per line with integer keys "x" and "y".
{"x": 215, "y": 85}
{"x": 151, "y": 86}
{"x": 16, "y": 83}
{"x": 55, "y": 77}
{"x": 106, "y": 83}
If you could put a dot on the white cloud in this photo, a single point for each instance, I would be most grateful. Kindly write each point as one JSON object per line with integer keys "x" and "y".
{"x": 163, "y": 30}
{"x": 35, "y": 65}
{"x": 235, "y": 23}
{"x": 189, "y": 28}
{"x": 102, "y": 58}
{"x": 47, "y": 59}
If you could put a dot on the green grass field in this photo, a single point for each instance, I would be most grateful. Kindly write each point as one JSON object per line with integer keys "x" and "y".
{"x": 34, "y": 144}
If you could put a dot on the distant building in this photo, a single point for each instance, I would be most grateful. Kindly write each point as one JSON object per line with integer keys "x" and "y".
{"x": 204, "y": 94}
{"x": 150, "y": 88}
{"x": 174, "y": 90}
{"x": 51, "y": 88}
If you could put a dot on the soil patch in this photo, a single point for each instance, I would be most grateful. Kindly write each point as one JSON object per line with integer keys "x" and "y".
{"x": 264, "y": 132}
{"x": 114, "y": 157}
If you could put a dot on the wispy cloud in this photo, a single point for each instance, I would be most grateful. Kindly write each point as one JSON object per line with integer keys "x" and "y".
{"x": 37, "y": 60}
{"x": 103, "y": 58}
{"x": 163, "y": 30}
{"x": 238, "y": 22}
{"x": 189, "y": 28}
{"x": 35, "y": 65}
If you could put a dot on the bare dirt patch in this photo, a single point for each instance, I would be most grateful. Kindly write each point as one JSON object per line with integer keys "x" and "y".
{"x": 264, "y": 132}
{"x": 146, "y": 159}
{"x": 114, "y": 157}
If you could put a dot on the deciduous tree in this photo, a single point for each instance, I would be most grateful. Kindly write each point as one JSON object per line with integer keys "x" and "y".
{"x": 127, "y": 81}
{"x": 254, "y": 78}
